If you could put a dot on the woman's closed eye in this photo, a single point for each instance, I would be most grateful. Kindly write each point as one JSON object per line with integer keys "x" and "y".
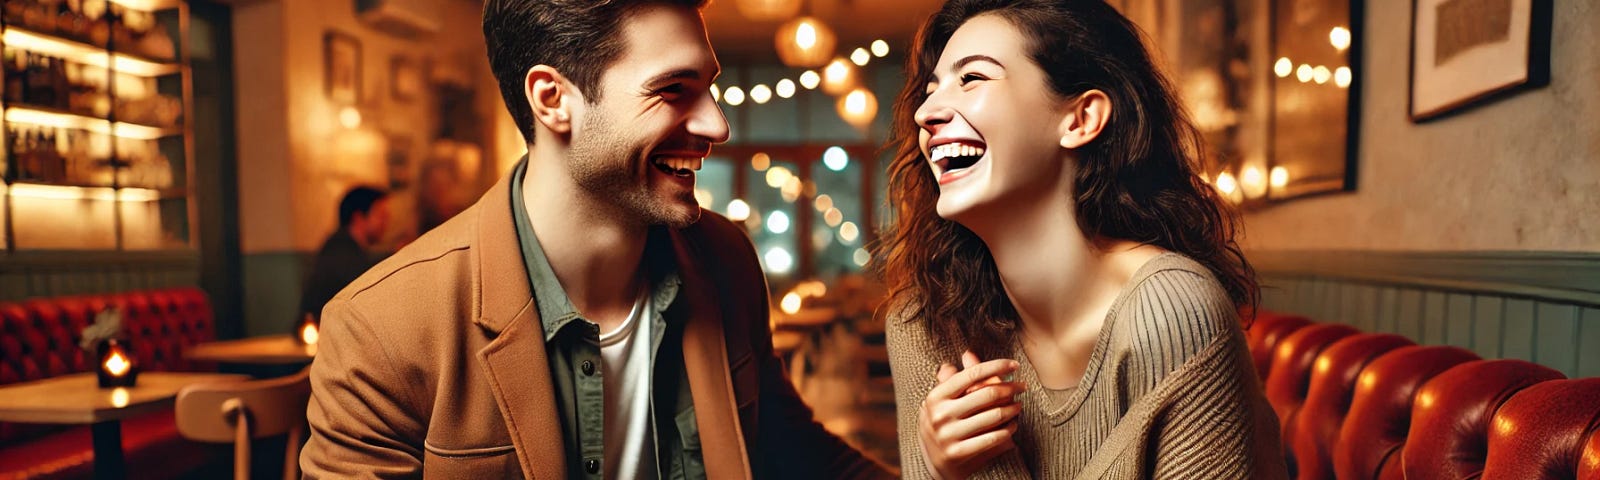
{"x": 971, "y": 77}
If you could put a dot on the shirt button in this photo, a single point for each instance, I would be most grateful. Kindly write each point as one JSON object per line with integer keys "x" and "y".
{"x": 588, "y": 368}
{"x": 593, "y": 466}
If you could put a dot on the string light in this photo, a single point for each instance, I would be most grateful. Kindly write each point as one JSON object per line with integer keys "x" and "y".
{"x": 760, "y": 93}
{"x": 785, "y": 88}
{"x": 880, "y": 48}
{"x": 735, "y": 96}
{"x": 860, "y": 57}
{"x": 810, "y": 79}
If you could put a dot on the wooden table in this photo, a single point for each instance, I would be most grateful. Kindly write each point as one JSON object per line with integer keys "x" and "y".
{"x": 807, "y": 319}
{"x": 263, "y": 350}
{"x": 78, "y": 399}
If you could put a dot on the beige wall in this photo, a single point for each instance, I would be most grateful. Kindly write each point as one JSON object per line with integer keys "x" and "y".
{"x": 1521, "y": 173}
{"x": 296, "y": 160}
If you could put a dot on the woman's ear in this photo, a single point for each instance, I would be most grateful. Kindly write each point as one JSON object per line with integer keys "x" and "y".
{"x": 1086, "y": 117}
{"x": 547, "y": 92}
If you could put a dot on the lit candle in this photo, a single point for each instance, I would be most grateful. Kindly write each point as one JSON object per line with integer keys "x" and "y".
{"x": 117, "y": 367}
{"x": 306, "y": 333}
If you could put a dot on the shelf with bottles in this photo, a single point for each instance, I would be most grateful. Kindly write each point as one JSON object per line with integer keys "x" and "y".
{"x": 76, "y": 158}
{"x": 47, "y": 90}
{"x": 126, "y": 35}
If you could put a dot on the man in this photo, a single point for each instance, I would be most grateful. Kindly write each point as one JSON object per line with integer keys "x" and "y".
{"x": 363, "y": 220}
{"x": 584, "y": 319}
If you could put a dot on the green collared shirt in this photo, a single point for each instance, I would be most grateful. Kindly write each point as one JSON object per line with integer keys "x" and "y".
{"x": 572, "y": 344}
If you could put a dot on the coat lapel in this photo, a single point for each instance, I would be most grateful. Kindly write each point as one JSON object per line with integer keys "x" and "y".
{"x": 705, "y": 360}
{"x": 504, "y": 307}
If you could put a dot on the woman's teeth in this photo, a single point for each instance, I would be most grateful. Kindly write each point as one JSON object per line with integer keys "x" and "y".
{"x": 950, "y": 150}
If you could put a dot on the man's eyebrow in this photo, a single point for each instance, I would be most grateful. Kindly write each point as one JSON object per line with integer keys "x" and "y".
{"x": 680, "y": 74}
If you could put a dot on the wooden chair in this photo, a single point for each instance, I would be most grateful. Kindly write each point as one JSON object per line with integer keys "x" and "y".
{"x": 239, "y": 412}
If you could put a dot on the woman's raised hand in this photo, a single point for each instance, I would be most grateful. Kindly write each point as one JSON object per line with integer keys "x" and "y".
{"x": 967, "y": 419}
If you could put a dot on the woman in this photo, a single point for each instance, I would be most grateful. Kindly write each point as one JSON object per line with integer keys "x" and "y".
{"x": 1052, "y": 219}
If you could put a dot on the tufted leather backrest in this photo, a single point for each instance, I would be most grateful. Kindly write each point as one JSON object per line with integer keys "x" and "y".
{"x": 1590, "y": 468}
{"x": 39, "y": 337}
{"x": 1453, "y": 412}
{"x": 1380, "y": 413}
{"x": 1264, "y": 334}
{"x": 1542, "y": 430}
{"x": 1333, "y": 381}
{"x": 1290, "y": 377}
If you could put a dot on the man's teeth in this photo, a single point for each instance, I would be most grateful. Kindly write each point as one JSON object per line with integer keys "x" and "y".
{"x": 680, "y": 163}
{"x": 955, "y": 150}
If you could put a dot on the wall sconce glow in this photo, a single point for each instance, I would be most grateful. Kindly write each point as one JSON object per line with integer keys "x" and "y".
{"x": 349, "y": 117}
{"x": 1342, "y": 77}
{"x": 733, "y": 95}
{"x": 838, "y": 78}
{"x": 777, "y": 176}
{"x": 1283, "y": 68}
{"x": 1226, "y": 184}
{"x": 704, "y": 198}
{"x": 778, "y": 222}
{"x": 1279, "y": 177}
{"x": 848, "y": 232}
{"x": 805, "y": 35}
{"x": 809, "y": 79}
{"x": 1303, "y": 73}
{"x": 862, "y": 256}
{"x": 1340, "y": 38}
{"x": 880, "y": 48}
{"x": 716, "y": 93}
{"x": 760, "y": 93}
{"x": 835, "y": 158}
{"x": 823, "y": 203}
{"x": 790, "y": 303}
{"x": 760, "y": 161}
{"x": 785, "y": 88}
{"x": 738, "y": 211}
{"x": 858, "y": 108}
{"x": 833, "y": 217}
{"x": 778, "y": 260}
{"x": 1321, "y": 74}
{"x": 860, "y": 57}
{"x": 1252, "y": 182}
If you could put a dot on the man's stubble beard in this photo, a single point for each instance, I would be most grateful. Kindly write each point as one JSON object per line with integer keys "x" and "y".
{"x": 594, "y": 168}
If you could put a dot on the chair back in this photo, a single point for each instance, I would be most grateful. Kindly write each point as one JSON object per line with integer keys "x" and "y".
{"x": 239, "y": 412}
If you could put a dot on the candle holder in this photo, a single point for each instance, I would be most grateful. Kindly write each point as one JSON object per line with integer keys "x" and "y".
{"x": 116, "y": 366}
{"x": 306, "y": 333}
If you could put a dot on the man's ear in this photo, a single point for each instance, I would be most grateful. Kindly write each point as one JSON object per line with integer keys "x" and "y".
{"x": 1086, "y": 117}
{"x": 550, "y": 96}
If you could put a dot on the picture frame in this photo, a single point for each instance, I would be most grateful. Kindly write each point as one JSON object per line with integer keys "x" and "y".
{"x": 406, "y": 77}
{"x": 1466, "y": 53}
{"x": 1318, "y": 47}
{"x": 342, "y": 67}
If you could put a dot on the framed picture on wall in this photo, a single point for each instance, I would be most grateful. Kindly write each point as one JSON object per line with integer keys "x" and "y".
{"x": 342, "y": 65}
{"x": 406, "y": 77}
{"x": 1465, "y": 52}
{"x": 1316, "y": 88}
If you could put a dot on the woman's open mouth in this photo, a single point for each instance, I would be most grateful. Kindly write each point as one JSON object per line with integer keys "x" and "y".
{"x": 954, "y": 160}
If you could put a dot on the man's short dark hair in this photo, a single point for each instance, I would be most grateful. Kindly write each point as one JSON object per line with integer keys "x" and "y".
{"x": 579, "y": 38}
{"x": 360, "y": 199}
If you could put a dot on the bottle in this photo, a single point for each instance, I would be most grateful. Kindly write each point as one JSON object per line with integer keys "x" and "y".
{"x": 15, "y": 72}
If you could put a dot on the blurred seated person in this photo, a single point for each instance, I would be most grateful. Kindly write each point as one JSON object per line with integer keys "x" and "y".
{"x": 346, "y": 254}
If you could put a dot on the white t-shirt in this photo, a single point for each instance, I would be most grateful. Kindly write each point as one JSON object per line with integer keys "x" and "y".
{"x": 630, "y": 450}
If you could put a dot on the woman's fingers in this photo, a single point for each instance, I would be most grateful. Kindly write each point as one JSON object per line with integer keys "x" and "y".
{"x": 987, "y": 397}
{"x": 982, "y": 446}
{"x": 958, "y": 384}
{"x": 946, "y": 371}
{"x": 979, "y": 423}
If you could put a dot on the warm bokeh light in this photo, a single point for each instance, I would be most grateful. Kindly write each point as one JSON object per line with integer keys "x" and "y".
{"x": 1279, "y": 177}
{"x": 880, "y": 48}
{"x": 119, "y": 397}
{"x": 777, "y": 176}
{"x": 778, "y": 260}
{"x": 117, "y": 364}
{"x": 809, "y": 79}
{"x": 848, "y": 232}
{"x": 1342, "y": 77}
{"x": 760, "y": 93}
{"x": 733, "y": 95}
{"x": 716, "y": 93}
{"x": 791, "y": 189}
{"x": 790, "y": 303}
{"x": 18, "y": 38}
{"x": 704, "y": 198}
{"x": 77, "y": 122}
{"x": 350, "y": 117}
{"x": 308, "y": 333}
{"x": 738, "y": 211}
{"x": 785, "y": 88}
{"x": 760, "y": 161}
{"x": 60, "y": 192}
{"x": 862, "y": 256}
{"x": 804, "y": 42}
{"x": 838, "y": 78}
{"x": 858, "y": 108}
{"x": 768, "y": 10}
{"x": 1252, "y": 182}
{"x": 1340, "y": 38}
{"x": 805, "y": 35}
{"x": 833, "y": 217}
{"x": 1321, "y": 74}
{"x": 823, "y": 202}
{"x": 1226, "y": 183}
{"x": 1303, "y": 73}
{"x": 835, "y": 158}
{"x": 1283, "y": 68}
{"x": 860, "y": 57}
{"x": 778, "y": 222}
